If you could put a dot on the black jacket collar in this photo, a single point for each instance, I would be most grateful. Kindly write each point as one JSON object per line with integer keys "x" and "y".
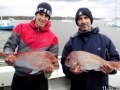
{"x": 93, "y": 31}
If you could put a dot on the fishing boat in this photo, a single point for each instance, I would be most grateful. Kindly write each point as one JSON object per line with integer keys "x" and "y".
{"x": 66, "y": 20}
{"x": 114, "y": 23}
{"x": 57, "y": 80}
{"x": 6, "y": 24}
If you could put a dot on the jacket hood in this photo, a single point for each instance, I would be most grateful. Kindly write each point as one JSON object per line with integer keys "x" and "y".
{"x": 46, "y": 28}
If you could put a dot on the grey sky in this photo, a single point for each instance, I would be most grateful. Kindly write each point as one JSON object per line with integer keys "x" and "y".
{"x": 99, "y": 8}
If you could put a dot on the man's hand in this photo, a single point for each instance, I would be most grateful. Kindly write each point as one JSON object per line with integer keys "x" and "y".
{"x": 106, "y": 68}
{"x": 10, "y": 59}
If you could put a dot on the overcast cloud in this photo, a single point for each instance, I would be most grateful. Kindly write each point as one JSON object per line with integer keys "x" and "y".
{"x": 99, "y": 8}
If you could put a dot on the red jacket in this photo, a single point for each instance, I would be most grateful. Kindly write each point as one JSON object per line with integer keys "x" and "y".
{"x": 27, "y": 37}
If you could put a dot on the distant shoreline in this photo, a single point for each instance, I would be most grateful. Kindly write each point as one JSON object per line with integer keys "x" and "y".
{"x": 31, "y": 17}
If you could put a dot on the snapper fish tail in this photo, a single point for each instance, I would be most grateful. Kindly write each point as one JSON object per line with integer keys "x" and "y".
{"x": 115, "y": 65}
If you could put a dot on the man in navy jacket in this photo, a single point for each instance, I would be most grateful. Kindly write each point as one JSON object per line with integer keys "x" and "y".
{"x": 89, "y": 39}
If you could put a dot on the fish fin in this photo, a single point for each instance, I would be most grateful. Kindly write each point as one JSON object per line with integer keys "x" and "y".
{"x": 3, "y": 55}
{"x": 35, "y": 71}
{"x": 47, "y": 75}
{"x": 85, "y": 70}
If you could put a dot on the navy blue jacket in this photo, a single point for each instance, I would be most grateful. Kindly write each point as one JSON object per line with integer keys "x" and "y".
{"x": 95, "y": 43}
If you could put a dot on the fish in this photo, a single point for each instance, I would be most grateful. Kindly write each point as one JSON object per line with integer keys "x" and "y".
{"x": 88, "y": 61}
{"x": 35, "y": 60}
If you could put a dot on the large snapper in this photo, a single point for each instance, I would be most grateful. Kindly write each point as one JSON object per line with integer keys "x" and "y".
{"x": 35, "y": 60}
{"x": 88, "y": 61}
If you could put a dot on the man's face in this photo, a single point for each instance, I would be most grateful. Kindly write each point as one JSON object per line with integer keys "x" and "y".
{"x": 84, "y": 23}
{"x": 41, "y": 20}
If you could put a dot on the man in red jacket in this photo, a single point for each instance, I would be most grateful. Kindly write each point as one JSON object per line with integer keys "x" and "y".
{"x": 35, "y": 35}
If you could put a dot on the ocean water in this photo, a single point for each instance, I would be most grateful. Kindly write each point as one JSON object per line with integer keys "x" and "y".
{"x": 65, "y": 29}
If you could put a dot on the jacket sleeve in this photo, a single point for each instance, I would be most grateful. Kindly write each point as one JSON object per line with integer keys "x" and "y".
{"x": 12, "y": 42}
{"x": 54, "y": 48}
{"x": 112, "y": 53}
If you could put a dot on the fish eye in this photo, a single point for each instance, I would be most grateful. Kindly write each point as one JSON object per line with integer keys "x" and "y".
{"x": 68, "y": 59}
